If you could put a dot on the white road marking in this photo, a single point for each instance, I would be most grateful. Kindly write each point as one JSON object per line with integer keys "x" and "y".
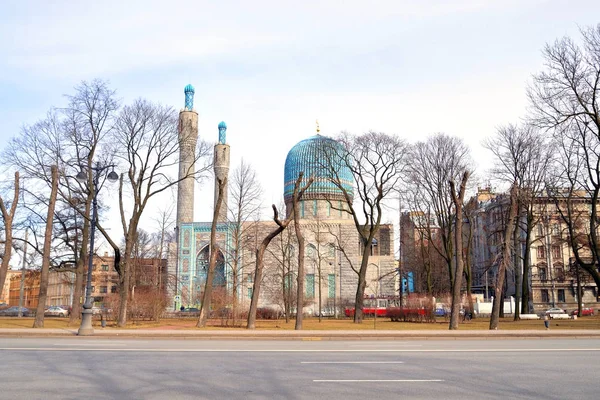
{"x": 352, "y": 362}
{"x": 151, "y": 350}
{"x": 378, "y": 380}
{"x": 90, "y": 344}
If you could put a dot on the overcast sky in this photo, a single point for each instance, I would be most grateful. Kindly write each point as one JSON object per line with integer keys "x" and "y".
{"x": 271, "y": 68}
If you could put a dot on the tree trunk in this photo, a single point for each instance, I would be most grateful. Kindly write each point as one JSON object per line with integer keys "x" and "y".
{"x": 39, "y": 316}
{"x": 301, "y": 278}
{"x": 214, "y": 253}
{"x": 517, "y": 265}
{"x": 526, "y": 306}
{"x": 362, "y": 281}
{"x": 508, "y": 231}
{"x": 458, "y": 199}
{"x": 8, "y": 216}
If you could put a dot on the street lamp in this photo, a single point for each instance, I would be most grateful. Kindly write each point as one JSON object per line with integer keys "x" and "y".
{"x": 86, "y": 328}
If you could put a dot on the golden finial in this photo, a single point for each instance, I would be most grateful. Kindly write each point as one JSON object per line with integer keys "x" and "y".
{"x": 318, "y": 129}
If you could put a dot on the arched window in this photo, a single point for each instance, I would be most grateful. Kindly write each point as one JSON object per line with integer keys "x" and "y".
{"x": 542, "y": 272}
{"x": 331, "y": 250}
{"x": 311, "y": 251}
{"x": 202, "y": 268}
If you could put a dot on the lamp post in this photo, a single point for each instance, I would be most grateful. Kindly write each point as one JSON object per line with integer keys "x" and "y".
{"x": 86, "y": 328}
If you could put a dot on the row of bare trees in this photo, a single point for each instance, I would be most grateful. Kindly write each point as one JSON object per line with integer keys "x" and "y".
{"x": 140, "y": 140}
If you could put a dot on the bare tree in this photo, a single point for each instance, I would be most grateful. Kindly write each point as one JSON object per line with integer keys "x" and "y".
{"x": 458, "y": 200}
{"x": 8, "y": 216}
{"x": 39, "y": 316}
{"x": 299, "y": 190}
{"x": 70, "y": 138}
{"x": 376, "y": 161}
{"x": 245, "y": 205}
{"x": 506, "y": 257}
{"x": 434, "y": 163}
{"x": 564, "y": 98}
{"x": 146, "y": 145}
{"x": 522, "y": 157}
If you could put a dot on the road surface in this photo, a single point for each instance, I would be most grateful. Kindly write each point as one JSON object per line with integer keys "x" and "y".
{"x": 101, "y": 368}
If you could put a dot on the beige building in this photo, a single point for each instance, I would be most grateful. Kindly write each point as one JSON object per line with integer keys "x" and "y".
{"x": 554, "y": 276}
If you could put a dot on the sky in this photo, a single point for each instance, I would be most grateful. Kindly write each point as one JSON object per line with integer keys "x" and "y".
{"x": 269, "y": 69}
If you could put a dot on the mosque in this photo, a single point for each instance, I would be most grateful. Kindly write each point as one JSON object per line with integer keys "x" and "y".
{"x": 332, "y": 252}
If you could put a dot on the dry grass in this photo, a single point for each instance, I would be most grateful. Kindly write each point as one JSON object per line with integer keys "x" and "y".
{"x": 326, "y": 324}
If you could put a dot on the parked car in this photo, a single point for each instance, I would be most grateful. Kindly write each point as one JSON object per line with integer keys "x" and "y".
{"x": 584, "y": 312}
{"x": 56, "y": 311}
{"x": 14, "y": 311}
{"x": 555, "y": 310}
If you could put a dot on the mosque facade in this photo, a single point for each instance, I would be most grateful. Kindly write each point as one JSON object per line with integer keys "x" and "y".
{"x": 332, "y": 244}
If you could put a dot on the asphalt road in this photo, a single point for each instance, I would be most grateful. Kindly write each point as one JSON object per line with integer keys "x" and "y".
{"x": 100, "y": 368}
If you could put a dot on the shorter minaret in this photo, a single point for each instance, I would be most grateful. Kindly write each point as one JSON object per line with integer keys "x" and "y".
{"x": 188, "y": 137}
{"x": 221, "y": 165}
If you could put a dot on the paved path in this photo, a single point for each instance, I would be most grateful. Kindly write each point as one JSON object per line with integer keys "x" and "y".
{"x": 305, "y": 334}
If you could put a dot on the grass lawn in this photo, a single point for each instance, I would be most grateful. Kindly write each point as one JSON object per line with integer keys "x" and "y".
{"x": 592, "y": 322}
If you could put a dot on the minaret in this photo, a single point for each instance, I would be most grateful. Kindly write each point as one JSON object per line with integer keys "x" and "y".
{"x": 188, "y": 136}
{"x": 221, "y": 166}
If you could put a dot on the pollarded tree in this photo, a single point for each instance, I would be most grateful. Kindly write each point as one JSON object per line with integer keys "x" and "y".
{"x": 299, "y": 189}
{"x": 376, "y": 161}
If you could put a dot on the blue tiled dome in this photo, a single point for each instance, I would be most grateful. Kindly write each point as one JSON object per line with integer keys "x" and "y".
{"x": 222, "y": 125}
{"x": 305, "y": 157}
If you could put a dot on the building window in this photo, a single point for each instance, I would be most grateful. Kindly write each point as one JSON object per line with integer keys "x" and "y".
{"x": 250, "y": 292}
{"x": 311, "y": 251}
{"x": 540, "y": 230}
{"x": 103, "y": 289}
{"x": 302, "y": 209}
{"x": 331, "y": 286}
{"x": 559, "y": 273}
{"x": 93, "y": 289}
{"x": 331, "y": 248}
{"x": 310, "y": 286}
{"x": 561, "y": 295}
{"x": 541, "y": 252}
{"x": 314, "y": 207}
{"x": 542, "y": 274}
{"x": 249, "y": 278}
{"x": 556, "y": 229}
{"x": 104, "y": 267}
{"x": 556, "y": 253}
{"x": 113, "y": 289}
{"x": 340, "y": 207}
{"x": 545, "y": 297}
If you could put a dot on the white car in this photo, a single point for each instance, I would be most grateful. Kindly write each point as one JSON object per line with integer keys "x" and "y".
{"x": 56, "y": 311}
{"x": 552, "y": 312}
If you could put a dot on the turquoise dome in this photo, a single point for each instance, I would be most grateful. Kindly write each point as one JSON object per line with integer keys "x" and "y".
{"x": 222, "y": 125}
{"x": 189, "y": 89}
{"x": 305, "y": 157}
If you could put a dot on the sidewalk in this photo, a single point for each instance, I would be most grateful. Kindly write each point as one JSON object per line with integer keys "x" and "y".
{"x": 244, "y": 334}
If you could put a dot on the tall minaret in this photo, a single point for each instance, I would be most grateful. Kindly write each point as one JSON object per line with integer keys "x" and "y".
{"x": 221, "y": 166}
{"x": 188, "y": 136}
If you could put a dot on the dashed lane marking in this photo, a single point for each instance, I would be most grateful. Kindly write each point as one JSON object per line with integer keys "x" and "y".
{"x": 378, "y": 380}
